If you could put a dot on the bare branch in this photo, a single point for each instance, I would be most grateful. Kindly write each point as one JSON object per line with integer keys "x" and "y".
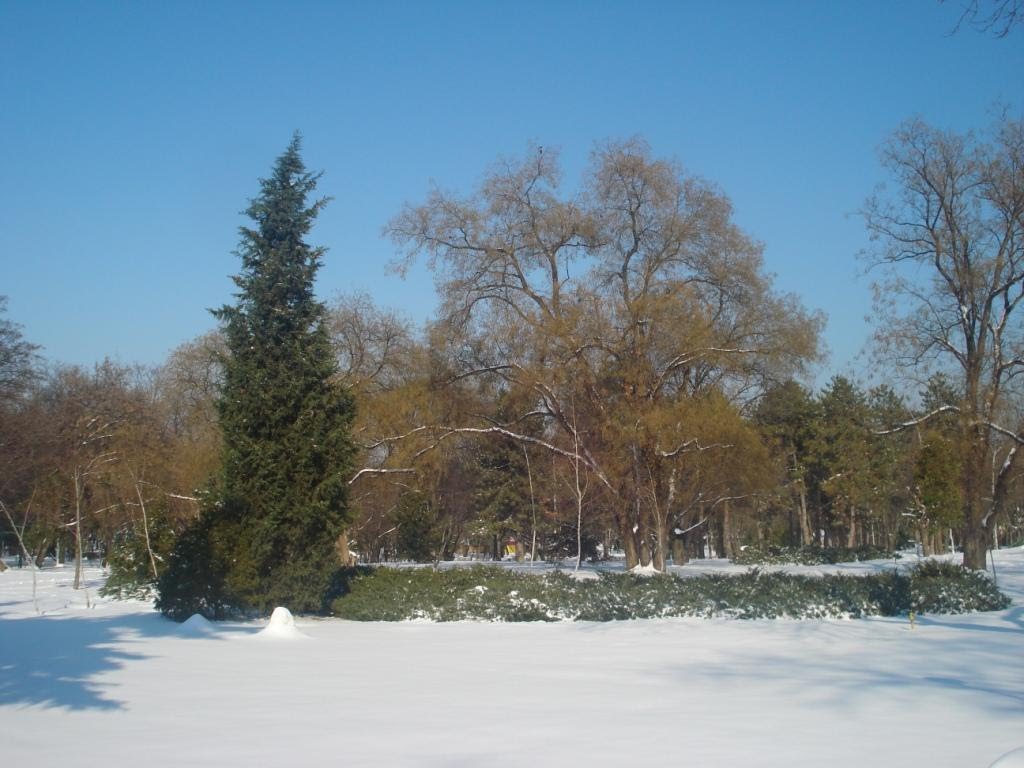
{"x": 369, "y": 471}
{"x": 179, "y": 496}
{"x": 693, "y": 445}
{"x": 915, "y": 422}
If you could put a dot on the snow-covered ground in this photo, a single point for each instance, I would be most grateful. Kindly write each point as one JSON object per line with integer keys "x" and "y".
{"x": 86, "y": 681}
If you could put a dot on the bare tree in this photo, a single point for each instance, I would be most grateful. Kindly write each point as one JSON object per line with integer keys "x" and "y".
{"x": 90, "y": 456}
{"x": 373, "y": 345}
{"x": 18, "y": 372}
{"x": 600, "y": 316}
{"x": 18, "y": 359}
{"x": 951, "y": 254}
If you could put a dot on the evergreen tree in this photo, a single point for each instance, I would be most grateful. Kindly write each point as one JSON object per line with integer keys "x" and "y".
{"x": 787, "y": 416}
{"x": 842, "y": 452}
{"x": 889, "y": 466}
{"x": 937, "y": 490}
{"x": 417, "y": 537}
{"x": 282, "y": 500}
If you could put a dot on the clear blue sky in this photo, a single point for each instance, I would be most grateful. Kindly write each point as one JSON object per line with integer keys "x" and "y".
{"x": 132, "y": 134}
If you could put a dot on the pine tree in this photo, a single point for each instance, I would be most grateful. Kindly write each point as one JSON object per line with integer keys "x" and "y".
{"x": 281, "y": 505}
{"x": 788, "y": 417}
{"x": 842, "y": 455}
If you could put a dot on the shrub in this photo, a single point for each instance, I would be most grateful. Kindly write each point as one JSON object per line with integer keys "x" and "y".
{"x": 131, "y": 571}
{"x": 194, "y": 581}
{"x": 494, "y": 594}
{"x": 776, "y": 555}
{"x": 943, "y": 587}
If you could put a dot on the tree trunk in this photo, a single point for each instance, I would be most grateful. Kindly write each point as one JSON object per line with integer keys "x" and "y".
{"x": 975, "y": 534}
{"x": 630, "y": 548}
{"x": 661, "y": 552}
{"x": 645, "y": 552}
{"x": 78, "y": 529}
{"x": 145, "y": 531}
{"x": 627, "y": 534}
{"x": 851, "y": 534}
{"x": 579, "y": 497}
{"x": 344, "y": 552}
{"x": 640, "y": 527}
{"x": 533, "y": 511}
{"x": 728, "y": 538}
{"x": 679, "y": 551}
{"x": 975, "y": 545}
{"x": 695, "y": 539}
{"x": 806, "y": 536}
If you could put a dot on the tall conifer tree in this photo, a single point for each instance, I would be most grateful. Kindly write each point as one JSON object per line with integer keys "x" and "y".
{"x": 270, "y": 538}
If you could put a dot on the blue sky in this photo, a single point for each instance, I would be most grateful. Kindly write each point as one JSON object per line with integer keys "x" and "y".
{"x": 132, "y": 134}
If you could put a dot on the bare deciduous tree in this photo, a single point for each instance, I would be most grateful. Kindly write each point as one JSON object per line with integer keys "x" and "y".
{"x": 600, "y": 316}
{"x": 951, "y": 251}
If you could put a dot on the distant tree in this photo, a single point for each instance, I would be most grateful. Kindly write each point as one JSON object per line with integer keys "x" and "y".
{"x": 787, "y": 415}
{"x": 18, "y": 357}
{"x": 372, "y": 344}
{"x": 842, "y": 453}
{"x": 188, "y": 383}
{"x": 282, "y": 502}
{"x": 186, "y": 388}
{"x": 417, "y": 536}
{"x": 938, "y": 500}
{"x": 951, "y": 250}
{"x": 501, "y": 493}
{"x": 890, "y": 466}
{"x": 18, "y": 370}
{"x": 936, "y": 503}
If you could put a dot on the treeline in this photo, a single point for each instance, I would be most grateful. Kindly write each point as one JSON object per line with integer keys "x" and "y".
{"x": 108, "y": 457}
{"x": 112, "y": 462}
{"x": 610, "y": 370}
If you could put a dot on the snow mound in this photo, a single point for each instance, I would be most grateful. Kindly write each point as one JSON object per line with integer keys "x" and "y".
{"x": 644, "y": 570}
{"x": 197, "y": 624}
{"x": 282, "y": 625}
{"x": 1012, "y": 759}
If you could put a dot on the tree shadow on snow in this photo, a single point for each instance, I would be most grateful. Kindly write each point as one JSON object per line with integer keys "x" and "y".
{"x": 981, "y": 676}
{"x": 59, "y": 661}
{"x": 1013, "y": 621}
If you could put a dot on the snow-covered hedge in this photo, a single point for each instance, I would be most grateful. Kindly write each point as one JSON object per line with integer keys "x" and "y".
{"x": 493, "y": 594}
{"x": 777, "y": 555}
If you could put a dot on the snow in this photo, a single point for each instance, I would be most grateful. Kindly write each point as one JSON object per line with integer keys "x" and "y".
{"x": 1012, "y": 759}
{"x": 116, "y": 683}
{"x": 282, "y": 626}
{"x": 197, "y": 624}
{"x": 644, "y": 570}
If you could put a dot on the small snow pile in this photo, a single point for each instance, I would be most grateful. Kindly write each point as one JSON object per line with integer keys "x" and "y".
{"x": 197, "y": 625}
{"x": 644, "y": 570}
{"x": 1013, "y": 759}
{"x": 282, "y": 625}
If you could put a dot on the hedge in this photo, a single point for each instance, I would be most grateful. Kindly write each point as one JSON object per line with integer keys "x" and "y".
{"x": 484, "y": 593}
{"x": 777, "y": 555}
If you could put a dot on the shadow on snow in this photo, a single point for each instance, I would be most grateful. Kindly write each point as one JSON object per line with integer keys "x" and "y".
{"x": 981, "y": 674}
{"x": 60, "y": 661}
